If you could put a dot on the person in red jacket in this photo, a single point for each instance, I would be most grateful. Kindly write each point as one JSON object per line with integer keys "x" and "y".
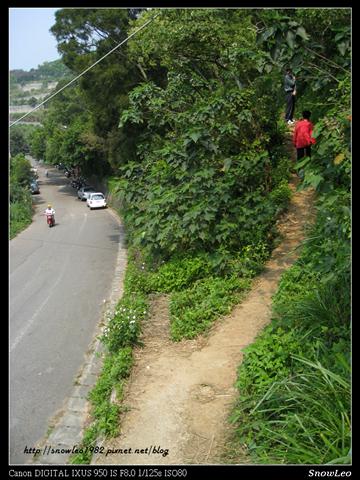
{"x": 302, "y": 137}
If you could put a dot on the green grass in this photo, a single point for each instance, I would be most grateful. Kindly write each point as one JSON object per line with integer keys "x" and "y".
{"x": 294, "y": 383}
{"x": 20, "y": 217}
{"x": 300, "y": 419}
{"x": 105, "y": 414}
{"x": 203, "y": 286}
{"x": 120, "y": 335}
{"x": 193, "y": 310}
{"x": 86, "y": 448}
{"x": 124, "y": 328}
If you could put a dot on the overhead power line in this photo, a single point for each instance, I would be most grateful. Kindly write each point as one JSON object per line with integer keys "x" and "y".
{"x": 86, "y": 70}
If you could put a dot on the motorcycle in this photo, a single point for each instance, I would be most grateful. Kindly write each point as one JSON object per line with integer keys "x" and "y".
{"x": 78, "y": 183}
{"x": 50, "y": 218}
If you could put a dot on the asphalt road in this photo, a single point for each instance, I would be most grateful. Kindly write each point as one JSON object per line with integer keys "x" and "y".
{"x": 59, "y": 278}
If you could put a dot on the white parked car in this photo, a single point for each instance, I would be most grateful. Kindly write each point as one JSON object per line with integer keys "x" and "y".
{"x": 96, "y": 200}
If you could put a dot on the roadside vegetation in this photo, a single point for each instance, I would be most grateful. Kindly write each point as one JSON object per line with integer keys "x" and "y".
{"x": 20, "y": 196}
{"x": 185, "y": 124}
{"x": 26, "y": 139}
{"x": 294, "y": 383}
{"x": 20, "y": 177}
{"x": 120, "y": 335}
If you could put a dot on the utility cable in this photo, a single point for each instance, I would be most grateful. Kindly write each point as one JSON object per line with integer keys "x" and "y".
{"x": 86, "y": 70}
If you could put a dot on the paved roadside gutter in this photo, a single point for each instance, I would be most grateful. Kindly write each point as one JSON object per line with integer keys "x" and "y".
{"x": 68, "y": 428}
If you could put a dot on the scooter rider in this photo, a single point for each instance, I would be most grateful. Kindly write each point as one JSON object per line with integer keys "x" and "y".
{"x": 50, "y": 211}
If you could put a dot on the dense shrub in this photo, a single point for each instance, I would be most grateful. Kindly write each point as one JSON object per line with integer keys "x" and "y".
{"x": 20, "y": 196}
{"x": 294, "y": 383}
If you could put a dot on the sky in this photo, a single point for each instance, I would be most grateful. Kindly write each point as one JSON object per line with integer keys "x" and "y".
{"x": 30, "y": 41}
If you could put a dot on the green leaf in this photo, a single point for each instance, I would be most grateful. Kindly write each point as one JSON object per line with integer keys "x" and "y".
{"x": 195, "y": 135}
{"x": 340, "y": 460}
{"x": 339, "y": 36}
{"x": 268, "y": 33}
{"x": 268, "y": 67}
{"x": 302, "y": 163}
{"x": 313, "y": 180}
{"x": 302, "y": 33}
{"x": 342, "y": 47}
{"x": 227, "y": 164}
{"x": 290, "y": 38}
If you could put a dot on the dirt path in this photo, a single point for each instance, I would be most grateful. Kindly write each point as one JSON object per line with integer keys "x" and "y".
{"x": 180, "y": 394}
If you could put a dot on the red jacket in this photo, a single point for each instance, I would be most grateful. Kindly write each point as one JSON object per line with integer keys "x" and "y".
{"x": 303, "y": 134}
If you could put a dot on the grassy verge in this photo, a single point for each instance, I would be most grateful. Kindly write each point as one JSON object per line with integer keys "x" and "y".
{"x": 20, "y": 214}
{"x": 193, "y": 310}
{"x": 294, "y": 382}
{"x": 120, "y": 336}
{"x": 304, "y": 426}
{"x": 202, "y": 286}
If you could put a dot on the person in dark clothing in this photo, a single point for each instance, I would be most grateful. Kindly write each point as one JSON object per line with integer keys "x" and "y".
{"x": 290, "y": 92}
{"x": 302, "y": 137}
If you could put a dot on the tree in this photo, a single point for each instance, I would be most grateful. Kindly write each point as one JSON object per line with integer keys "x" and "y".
{"x": 85, "y": 35}
{"x": 20, "y": 170}
{"x": 32, "y": 102}
{"x": 81, "y": 147}
{"x": 52, "y": 70}
{"x": 47, "y": 70}
{"x": 18, "y": 142}
{"x": 314, "y": 42}
{"x": 205, "y": 138}
{"x": 38, "y": 143}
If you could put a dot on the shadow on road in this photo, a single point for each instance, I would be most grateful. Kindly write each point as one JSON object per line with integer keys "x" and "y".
{"x": 38, "y": 200}
{"x": 120, "y": 233}
{"x": 114, "y": 238}
{"x": 68, "y": 190}
{"x": 54, "y": 179}
{"x": 57, "y": 179}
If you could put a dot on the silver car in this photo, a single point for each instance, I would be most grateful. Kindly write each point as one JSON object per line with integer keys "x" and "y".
{"x": 84, "y": 192}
